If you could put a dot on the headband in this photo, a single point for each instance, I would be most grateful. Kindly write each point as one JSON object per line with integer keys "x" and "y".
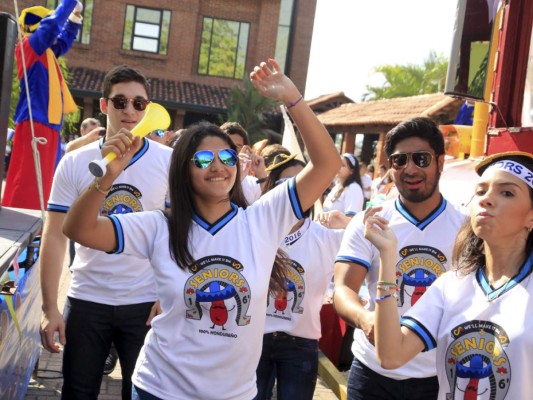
{"x": 514, "y": 168}
{"x": 351, "y": 158}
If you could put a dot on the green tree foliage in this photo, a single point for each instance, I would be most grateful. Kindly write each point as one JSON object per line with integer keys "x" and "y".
{"x": 410, "y": 80}
{"x": 70, "y": 121}
{"x": 248, "y": 107}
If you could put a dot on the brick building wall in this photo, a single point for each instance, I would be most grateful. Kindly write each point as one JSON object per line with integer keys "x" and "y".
{"x": 181, "y": 61}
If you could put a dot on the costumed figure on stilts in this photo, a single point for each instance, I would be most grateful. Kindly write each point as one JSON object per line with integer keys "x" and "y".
{"x": 47, "y": 35}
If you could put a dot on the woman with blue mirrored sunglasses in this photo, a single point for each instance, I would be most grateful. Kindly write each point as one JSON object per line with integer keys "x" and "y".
{"x": 212, "y": 255}
{"x": 203, "y": 158}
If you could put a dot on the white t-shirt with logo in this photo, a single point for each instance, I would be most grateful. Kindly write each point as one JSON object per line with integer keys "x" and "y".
{"x": 482, "y": 335}
{"x": 350, "y": 201}
{"x": 251, "y": 189}
{"x": 97, "y": 276}
{"x": 207, "y": 342}
{"x": 312, "y": 250}
{"x": 424, "y": 253}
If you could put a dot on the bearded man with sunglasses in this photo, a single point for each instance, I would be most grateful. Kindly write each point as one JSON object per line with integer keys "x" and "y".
{"x": 426, "y": 225}
{"x": 110, "y": 298}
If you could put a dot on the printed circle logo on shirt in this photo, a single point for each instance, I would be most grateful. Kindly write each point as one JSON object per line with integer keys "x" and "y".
{"x": 476, "y": 363}
{"x": 217, "y": 287}
{"x": 417, "y": 269}
{"x": 293, "y": 294}
{"x": 122, "y": 199}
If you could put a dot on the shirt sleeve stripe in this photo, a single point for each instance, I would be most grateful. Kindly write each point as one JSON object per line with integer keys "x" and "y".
{"x": 363, "y": 263}
{"x": 421, "y": 331}
{"x": 295, "y": 201}
{"x": 57, "y": 208}
{"x": 119, "y": 235}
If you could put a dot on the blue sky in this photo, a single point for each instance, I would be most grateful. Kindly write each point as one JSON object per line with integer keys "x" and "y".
{"x": 351, "y": 37}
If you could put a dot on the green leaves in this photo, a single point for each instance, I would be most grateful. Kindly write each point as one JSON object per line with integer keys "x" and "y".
{"x": 247, "y": 107}
{"x": 410, "y": 80}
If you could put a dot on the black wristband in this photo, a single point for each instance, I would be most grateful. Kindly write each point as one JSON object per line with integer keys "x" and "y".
{"x": 261, "y": 180}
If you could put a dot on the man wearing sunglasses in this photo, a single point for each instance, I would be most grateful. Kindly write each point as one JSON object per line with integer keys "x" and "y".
{"x": 110, "y": 298}
{"x": 426, "y": 225}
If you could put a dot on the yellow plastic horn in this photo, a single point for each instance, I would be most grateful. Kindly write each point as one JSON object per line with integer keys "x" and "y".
{"x": 156, "y": 117}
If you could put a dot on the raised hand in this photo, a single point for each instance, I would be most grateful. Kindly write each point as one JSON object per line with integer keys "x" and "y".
{"x": 378, "y": 232}
{"x": 271, "y": 82}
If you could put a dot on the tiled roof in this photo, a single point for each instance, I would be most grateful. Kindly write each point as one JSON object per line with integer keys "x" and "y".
{"x": 373, "y": 116}
{"x": 177, "y": 94}
{"x": 328, "y": 98}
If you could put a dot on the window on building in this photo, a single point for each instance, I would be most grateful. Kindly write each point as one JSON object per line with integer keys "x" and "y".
{"x": 146, "y": 29}
{"x": 224, "y": 47}
{"x": 84, "y": 34}
{"x": 284, "y": 32}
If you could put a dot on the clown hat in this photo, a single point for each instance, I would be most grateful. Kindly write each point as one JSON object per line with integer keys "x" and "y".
{"x": 31, "y": 17}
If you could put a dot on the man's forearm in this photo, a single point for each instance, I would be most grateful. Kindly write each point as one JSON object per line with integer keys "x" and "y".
{"x": 349, "y": 307}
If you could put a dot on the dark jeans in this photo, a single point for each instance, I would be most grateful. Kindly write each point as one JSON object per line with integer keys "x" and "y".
{"x": 293, "y": 362}
{"x": 139, "y": 394}
{"x": 90, "y": 329}
{"x": 365, "y": 384}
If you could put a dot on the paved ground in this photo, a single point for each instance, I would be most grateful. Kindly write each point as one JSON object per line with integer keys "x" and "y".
{"x": 48, "y": 381}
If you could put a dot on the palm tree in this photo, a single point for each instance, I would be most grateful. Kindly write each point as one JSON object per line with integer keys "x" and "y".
{"x": 247, "y": 106}
{"x": 410, "y": 80}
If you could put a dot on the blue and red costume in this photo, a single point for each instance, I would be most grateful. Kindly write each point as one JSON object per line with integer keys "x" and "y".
{"x": 46, "y": 37}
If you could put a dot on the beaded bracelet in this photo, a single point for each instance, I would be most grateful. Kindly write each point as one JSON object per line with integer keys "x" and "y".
{"x": 292, "y": 104}
{"x": 378, "y": 299}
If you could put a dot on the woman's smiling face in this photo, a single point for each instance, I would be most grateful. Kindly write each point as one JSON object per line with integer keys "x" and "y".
{"x": 214, "y": 182}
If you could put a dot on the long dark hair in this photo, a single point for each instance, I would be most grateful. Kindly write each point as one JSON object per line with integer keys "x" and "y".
{"x": 355, "y": 176}
{"x": 180, "y": 188}
{"x": 282, "y": 263}
{"x": 468, "y": 251}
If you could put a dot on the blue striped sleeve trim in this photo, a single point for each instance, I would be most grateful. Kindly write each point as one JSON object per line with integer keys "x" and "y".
{"x": 119, "y": 235}
{"x": 295, "y": 201}
{"x": 350, "y": 213}
{"x": 421, "y": 331}
{"x": 57, "y": 208}
{"x": 363, "y": 263}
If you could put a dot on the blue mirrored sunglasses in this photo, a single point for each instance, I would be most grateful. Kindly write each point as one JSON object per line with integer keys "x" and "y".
{"x": 203, "y": 158}
{"x": 159, "y": 133}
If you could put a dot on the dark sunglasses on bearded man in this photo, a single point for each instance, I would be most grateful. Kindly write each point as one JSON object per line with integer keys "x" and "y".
{"x": 422, "y": 159}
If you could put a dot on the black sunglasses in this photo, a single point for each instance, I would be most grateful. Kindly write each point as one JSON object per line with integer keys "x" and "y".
{"x": 120, "y": 102}
{"x": 203, "y": 158}
{"x": 422, "y": 159}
